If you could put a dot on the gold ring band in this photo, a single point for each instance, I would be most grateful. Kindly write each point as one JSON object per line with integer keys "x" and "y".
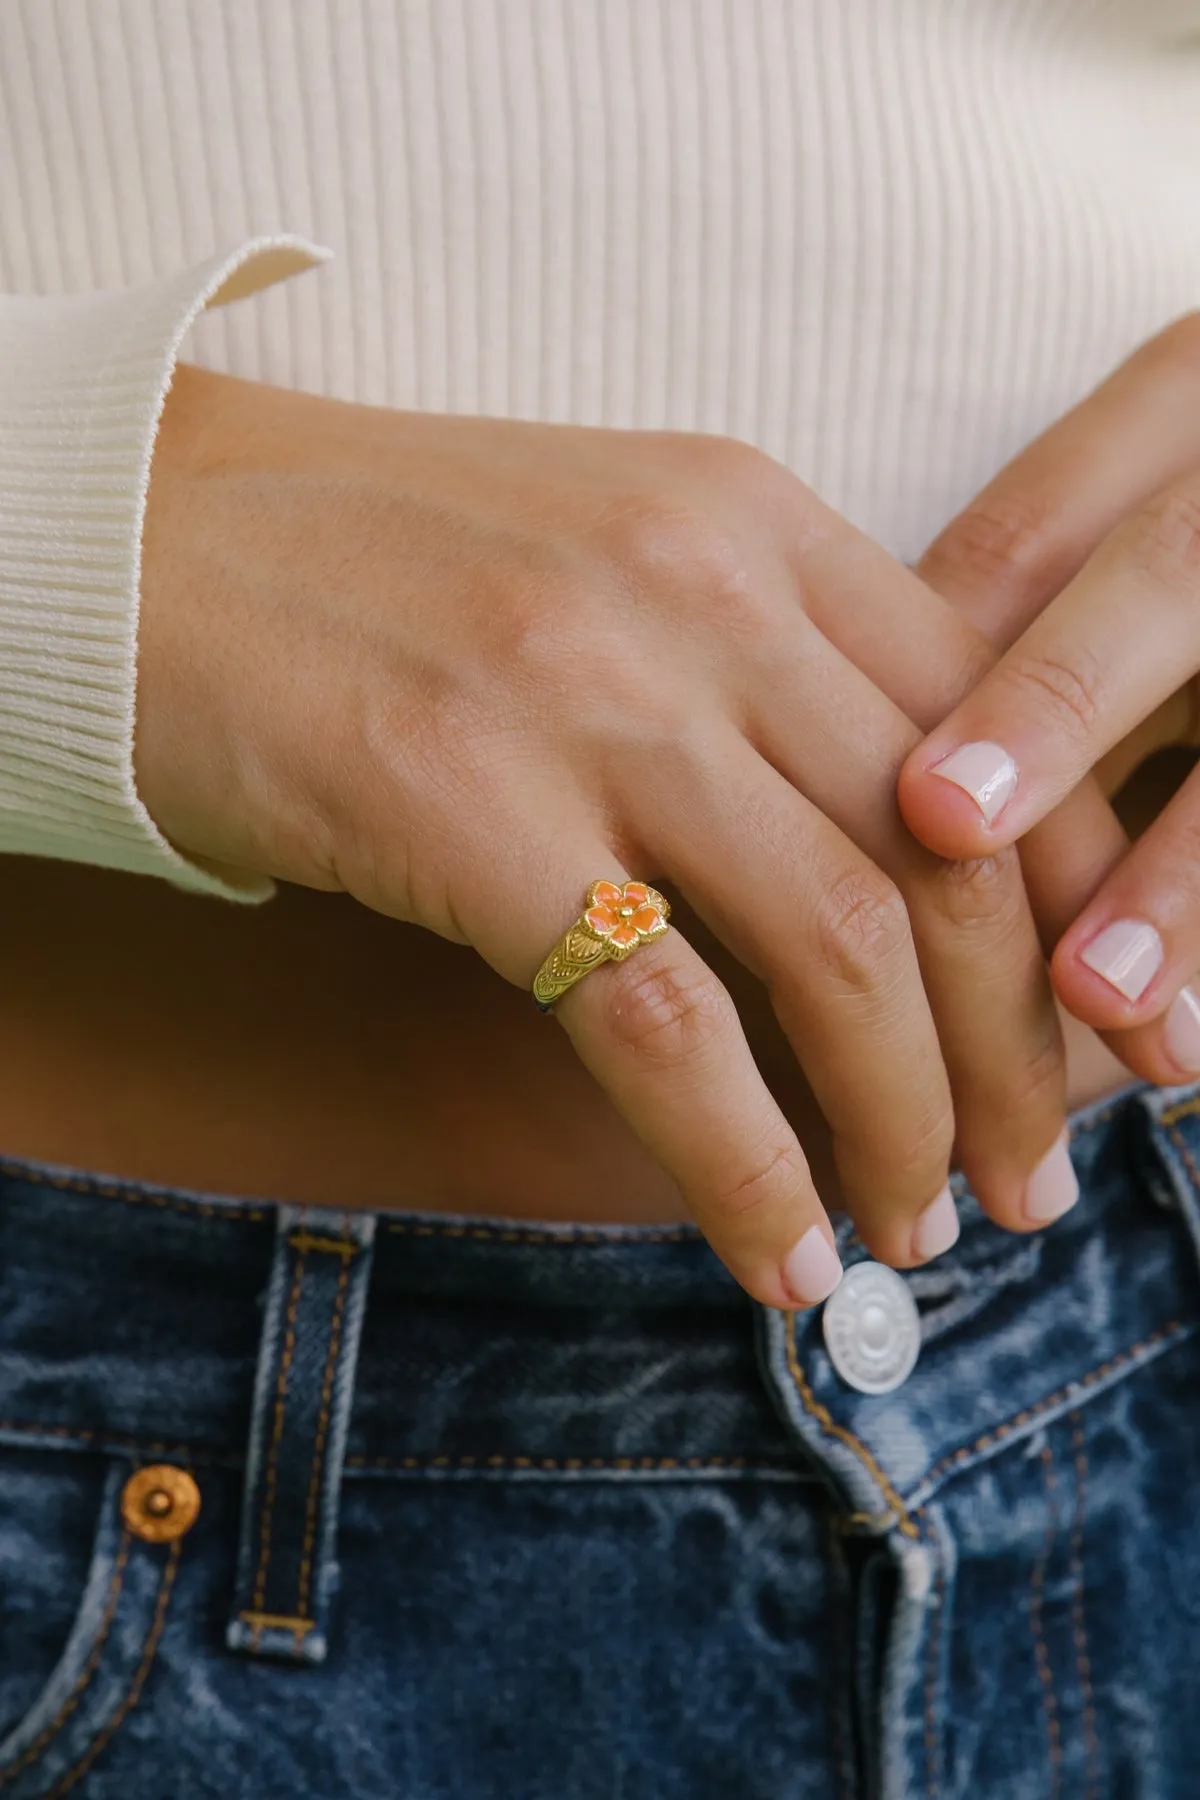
{"x": 616, "y": 918}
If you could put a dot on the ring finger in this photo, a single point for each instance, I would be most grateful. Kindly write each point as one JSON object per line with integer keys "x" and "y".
{"x": 662, "y": 1037}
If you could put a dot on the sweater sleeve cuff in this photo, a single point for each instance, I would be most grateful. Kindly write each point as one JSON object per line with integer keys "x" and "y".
{"x": 83, "y": 379}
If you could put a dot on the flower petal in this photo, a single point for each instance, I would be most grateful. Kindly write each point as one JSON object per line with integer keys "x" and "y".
{"x": 602, "y": 920}
{"x": 605, "y": 893}
{"x": 636, "y": 893}
{"x": 647, "y": 919}
{"x": 624, "y": 934}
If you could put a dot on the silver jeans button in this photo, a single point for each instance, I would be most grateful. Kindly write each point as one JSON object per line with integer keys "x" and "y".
{"x": 872, "y": 1328}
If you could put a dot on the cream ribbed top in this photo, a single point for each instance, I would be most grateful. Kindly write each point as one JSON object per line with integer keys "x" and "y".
{"x": 886, "y": 240}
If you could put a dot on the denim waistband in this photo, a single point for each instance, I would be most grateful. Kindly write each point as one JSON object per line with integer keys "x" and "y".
{"x": 132, "y": 1318}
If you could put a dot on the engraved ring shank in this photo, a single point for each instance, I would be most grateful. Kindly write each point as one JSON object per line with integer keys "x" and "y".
{"x": 615, "y": 921}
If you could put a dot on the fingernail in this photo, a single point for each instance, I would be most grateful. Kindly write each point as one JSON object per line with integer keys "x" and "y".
{"x": 937, "y": 1227}
{"x": 1127, "y": 954}
{"x": 1181, "y": 1032}
{"x": 985, "y": 771}
{"x": 1052, "y": 1188}
{"x": 812, "y": 1269}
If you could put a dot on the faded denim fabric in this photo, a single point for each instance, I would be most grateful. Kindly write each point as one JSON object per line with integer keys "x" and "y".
{"x": 513, "y": 1512}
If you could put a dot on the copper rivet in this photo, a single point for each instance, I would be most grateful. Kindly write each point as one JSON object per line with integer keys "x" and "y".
{"x": 160, "y": 1504}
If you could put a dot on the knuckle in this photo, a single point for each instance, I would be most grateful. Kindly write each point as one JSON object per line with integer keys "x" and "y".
{"x": 1067, "y": 695}
{"x": 763, "y": 491}
{"x": 1042, "y": 1075}
{"x": 695, "y": 566}
{"x": 978, "y": 891}
{"x": 923, "y": 1153}
{"x": 1004, "y": 538}
{"x": 1031, "y": 1086}
{"x": 779, "y": 1169}
{"x": 527, "y": 616}
{"x": 664, "y": 1015}
{"x": 540, "y": 623}
{"x": 678, "y": 741}
{"x": 564, "y": 658}
{"x": 1165, "y": 541}
{"x": 862, "y": 927}
{"x": 904, "y": 1156}
{"x": 649, "y": 538}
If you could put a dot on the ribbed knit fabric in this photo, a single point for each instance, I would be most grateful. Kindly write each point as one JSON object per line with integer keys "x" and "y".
{"x": 886, "y": 240}
{"x": 82, "y": 384}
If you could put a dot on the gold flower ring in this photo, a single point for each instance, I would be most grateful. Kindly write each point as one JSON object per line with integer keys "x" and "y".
{"x": 615, "y": 920}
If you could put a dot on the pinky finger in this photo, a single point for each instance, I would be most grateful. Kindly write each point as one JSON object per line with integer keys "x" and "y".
{"x": 1130, "y": 963}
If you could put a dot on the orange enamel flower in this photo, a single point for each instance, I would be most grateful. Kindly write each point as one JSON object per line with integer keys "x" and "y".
{"x": 625, "y": 916}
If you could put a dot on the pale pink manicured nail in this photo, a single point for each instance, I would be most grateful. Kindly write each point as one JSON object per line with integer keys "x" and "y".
{"x": 1127, "y": 954}
{"x": 937, "y": 1227}
{"x": 1181, "y": 1032}
{"x": 812, "y": 1269}
{"x": 985, "y": 771}
{"x": 1052, "y": 1188}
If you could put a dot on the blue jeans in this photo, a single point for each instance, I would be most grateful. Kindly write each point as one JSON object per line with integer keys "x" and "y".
{"x": 513, "y": 1512}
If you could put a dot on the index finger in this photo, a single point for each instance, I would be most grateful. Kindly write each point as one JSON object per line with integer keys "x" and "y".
{"x": 1117, "y": 642}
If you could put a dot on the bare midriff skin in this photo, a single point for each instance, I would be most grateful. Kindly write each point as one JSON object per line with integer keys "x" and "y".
{"x": 309, "y": 1049}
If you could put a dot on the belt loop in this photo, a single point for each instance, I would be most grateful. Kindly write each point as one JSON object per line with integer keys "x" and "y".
{"x": 303, "y": 1391}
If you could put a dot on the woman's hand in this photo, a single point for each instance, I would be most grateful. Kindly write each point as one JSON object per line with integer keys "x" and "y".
{"x": 462, "y": 667}
{"x": 1083, "y": 556}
